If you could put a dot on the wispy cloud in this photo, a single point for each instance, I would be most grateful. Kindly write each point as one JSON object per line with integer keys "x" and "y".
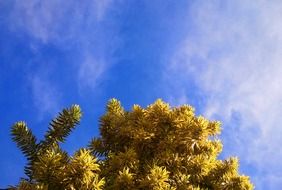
{"x": 55, "y": 21}
{"x": 90, "y": 71}
{"x": 46, "y": 98}
{"x": 84, "y": 31}
{"x": 233, "y": 56}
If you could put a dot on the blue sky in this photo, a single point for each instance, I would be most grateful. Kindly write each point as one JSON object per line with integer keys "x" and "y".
{"x": 222, "y": 57}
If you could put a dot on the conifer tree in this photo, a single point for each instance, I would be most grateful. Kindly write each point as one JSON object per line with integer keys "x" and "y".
{"x": 48, "y": 166}
{"x": 163, "y": 148}
{"x": 154, "y": 148}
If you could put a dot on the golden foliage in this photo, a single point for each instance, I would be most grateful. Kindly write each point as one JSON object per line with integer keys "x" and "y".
{"x": 154, "y": 148}
{"x": 160, "y": 147}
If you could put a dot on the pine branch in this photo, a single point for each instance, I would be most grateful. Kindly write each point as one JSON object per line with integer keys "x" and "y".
{"x": 26, "y": 142}
{"x": 61, "y": 127}
{"x": 24, "y": 138}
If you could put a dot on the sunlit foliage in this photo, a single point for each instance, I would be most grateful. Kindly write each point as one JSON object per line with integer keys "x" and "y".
{"x": 154, "y": 148}
{"x": 49, "y": 167}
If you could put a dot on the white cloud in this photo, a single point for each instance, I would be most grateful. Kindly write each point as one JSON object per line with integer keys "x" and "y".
{"x": 101, "y": 7}
{"x": 46, "y": 98}
{"x": 56, "y": 21}
{"x": 233, "y": 54}
{"x": 90, "y": 72}
{"x": 72, "y": 26}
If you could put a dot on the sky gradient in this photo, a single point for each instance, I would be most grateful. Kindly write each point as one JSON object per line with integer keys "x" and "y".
{"x": 222, "y": 57}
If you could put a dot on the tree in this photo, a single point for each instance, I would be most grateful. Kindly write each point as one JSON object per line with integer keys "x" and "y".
{"x": 49, "y": 167}
{"x": 155, "y": 148}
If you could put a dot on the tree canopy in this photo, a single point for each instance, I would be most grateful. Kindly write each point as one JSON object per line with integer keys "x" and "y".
{"x": 154, "y": 148}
